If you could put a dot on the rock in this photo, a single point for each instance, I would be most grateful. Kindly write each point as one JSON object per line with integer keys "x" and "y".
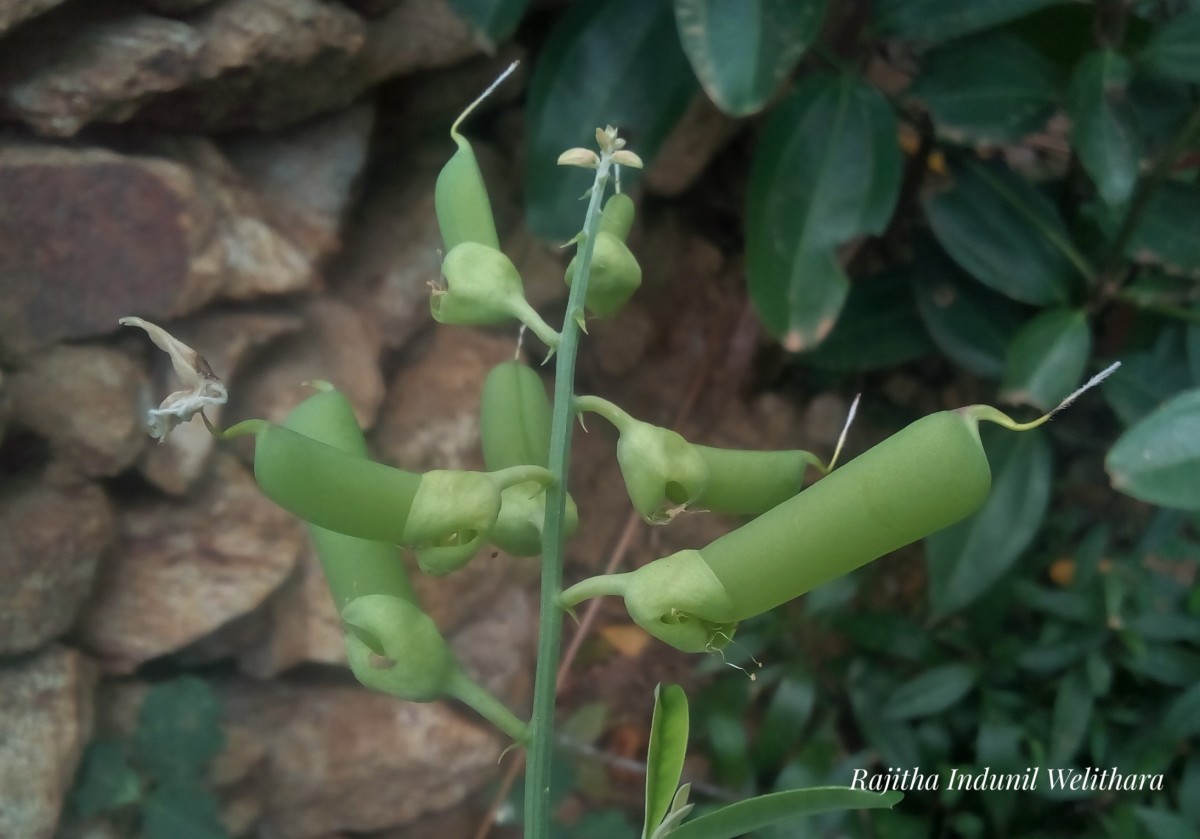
{"x": 13, "y": 12}
{"x": 701, "y": 132}
{"x": 224, "y": 339}
{"x": 305, "y": 175}
{"x": 181, "y": 570}
{"x": 499, "y": 648}
{"x": 336, "y": 344}
{"x": 55, "y": 529}
{"x": 88, "y": 402}
{"x": 415, "y": 35}
{"x": 430, "y": 419}
{"x": 355, "y": 761}
{"x": 144, "y": 235}
{"x": 372, "y": 8}
{"x": 176, "y": 8}
{"x": 5, "y": 406}
{"x": 47, "y": 721}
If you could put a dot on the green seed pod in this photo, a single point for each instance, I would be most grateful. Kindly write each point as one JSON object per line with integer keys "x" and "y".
{"x": 515, "y": 431}
{"x": 923, "y": 478}
{"x": 664, "y": 473}
{"x": 483, "y": 287}
{"x": 460, "y": 197}
{"x": 747, "y": 483}
{"x": 615, "y": 273}
{"x": 396, "y": 648}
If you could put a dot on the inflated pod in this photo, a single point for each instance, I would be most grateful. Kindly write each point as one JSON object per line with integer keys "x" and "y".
{"x": 615, "y": 273}
{"x": 746, "y": 483}
{"x": 925, "y": 477}
{"x": 515, "y": 431}
{"x": 460, "y": 197}
{"x": 483, "y": 287}
{"x": 664, "y": 474}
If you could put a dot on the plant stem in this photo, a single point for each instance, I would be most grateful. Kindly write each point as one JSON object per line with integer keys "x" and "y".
{"x": 537, "y": 767}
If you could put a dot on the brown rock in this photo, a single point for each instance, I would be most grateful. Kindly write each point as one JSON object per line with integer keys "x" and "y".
{"x": 47, "y": 721}
{"x": 344, "y": 759}
{"x": 430, "y": 419}
{"x": 415, "y": 35}
{"x": 88, "y": 402}
{"x": 13, "y": 12}
{"x": 498, "y": 649}
{"x": 176, "y": 8}
{"x": 54, "y": 532}
{"x": 305, "y": 175}
{"x": 701, "y": 132}
{"x": 5, "y": 406}
{"x": 179, "y": 571}
{"x": 372, "y": 8}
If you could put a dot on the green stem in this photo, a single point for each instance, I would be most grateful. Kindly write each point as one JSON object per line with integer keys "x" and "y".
{"x": 487, "y": 706}
{"x": 598, "y": 405}
{"x": 537, "y": 767}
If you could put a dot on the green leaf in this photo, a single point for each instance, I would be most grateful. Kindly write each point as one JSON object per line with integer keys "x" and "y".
{"x": 1160, "y": 824}
{"x": 1071, "y": 717}
{"x": 613, "y": 63}
{"x": 491, "y": 20}
{"x": 105, "y": 780}
{"x": 1148, "y": 378}
{"x": 1047, "y": 359}
{"x": 742, "y": 50}
{"x": 1174, "y": 50}
{"x": 931, "y": 692}
{"x": 733, "y": 820}
{"x": 178, "y": 810}
{"x": 1104, "y": 126}
{"x": 941, "y": 20}
{"x": 879, "y": 327}
{"x": 1169, "y": 231}
{"x": 179, "y": 731}
{"x": 989, "y": 89}
{"x": 968, "y": 558}
{"x": 969, "y": 322}
{"x": 827, "y": 168}
{"x": 1158, "y": 460}
{"x": 1182, "y": 717}
{"x": 783, "y": 723}
{"x": 664, "y": 758}
{"x": 1006, "y": 234}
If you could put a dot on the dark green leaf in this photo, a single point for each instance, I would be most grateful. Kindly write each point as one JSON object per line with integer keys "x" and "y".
{"x": 491, "y": 20}
{"x": 1006, "y": 234}
{"x": 1174, "y": 50}
{"x": 1162, "y": 106}
{"x": 1182, "y": 718}
{"x": 1189, "y": 789}
{"x": 827, "y": 169}
{"x": 989, "y": 89}
{"x": 1169, "y": 231}
{"x": 966, "y": 559}
{"x": 1148, "y": 378}
{"x": 733, "y": 820}
{"x": 1167, "y": 664}
{"x": 1047, "y": 358}
{"x": 1158, "y": 460}
{"x": 105, "y": 780}
{"x": 179, "y": 731}
{"x": 177, "y": 810}
{"x": 664, "y": 758}
{"x": 602, "y": 824}
{"x": 1071, "y": 718}
{"x": 931, "y": 692}
{"x": 879, "y": 327}
{"x": 742, "y": 51}
{"x": 783, "y": 724}
{"x": 1104, "y": 126}
{"x": 969, "y": 322}
{"x": 1161, "y": 824}
{"x": 941, "y": 20}
{"x": 613, "y": 63}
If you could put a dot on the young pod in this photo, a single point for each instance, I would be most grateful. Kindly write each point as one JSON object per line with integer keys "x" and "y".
{"x": 515, "y": 431}
{"x": 663, "y": 472}
{"x": 483, "y": 287}
{"x": 747, "y": 483}
{"x": 615, "y": 273}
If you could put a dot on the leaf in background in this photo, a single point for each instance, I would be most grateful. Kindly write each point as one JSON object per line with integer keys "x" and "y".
{"x": 1047, "y": 358}
{"x": 491, "y": 20}
{"x": 1182, "y": 717}
{"x": 178, "y": 810}
{"x": 869, "y": 691}
{"x": 1169, "y": 231}
{"x": 742, "y": 50}
{"x": 969, "y": 322}
{"x": 664, "y": 758}
{"x": 931, "y": 692}
{"x": 967, "y": 558}
{"x": 105, "y": 780}
{"x": 179, "y": 730}
{"x": 783, "y": 724}
{"x": 941, "y": 20}
{"x": 1104, "y": 127}
{"x": 1148, "y": 378}
{"x": 1006, "y": 234}
{"x": 733, "y": 820}
{"x": 1174, "y": 50}
{"x": 1158, "y": 460}
{"x": 1071, "y": 717}
{"x": 613, "y": 63}
{"x": 827, "y": 168}
{"x": 1162, "y": 824}
{"x": 879, "y": 327}
{"x": 989, "y": 89}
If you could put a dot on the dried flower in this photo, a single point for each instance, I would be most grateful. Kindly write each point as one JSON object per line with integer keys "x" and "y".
{"x": 204, "y": 388}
